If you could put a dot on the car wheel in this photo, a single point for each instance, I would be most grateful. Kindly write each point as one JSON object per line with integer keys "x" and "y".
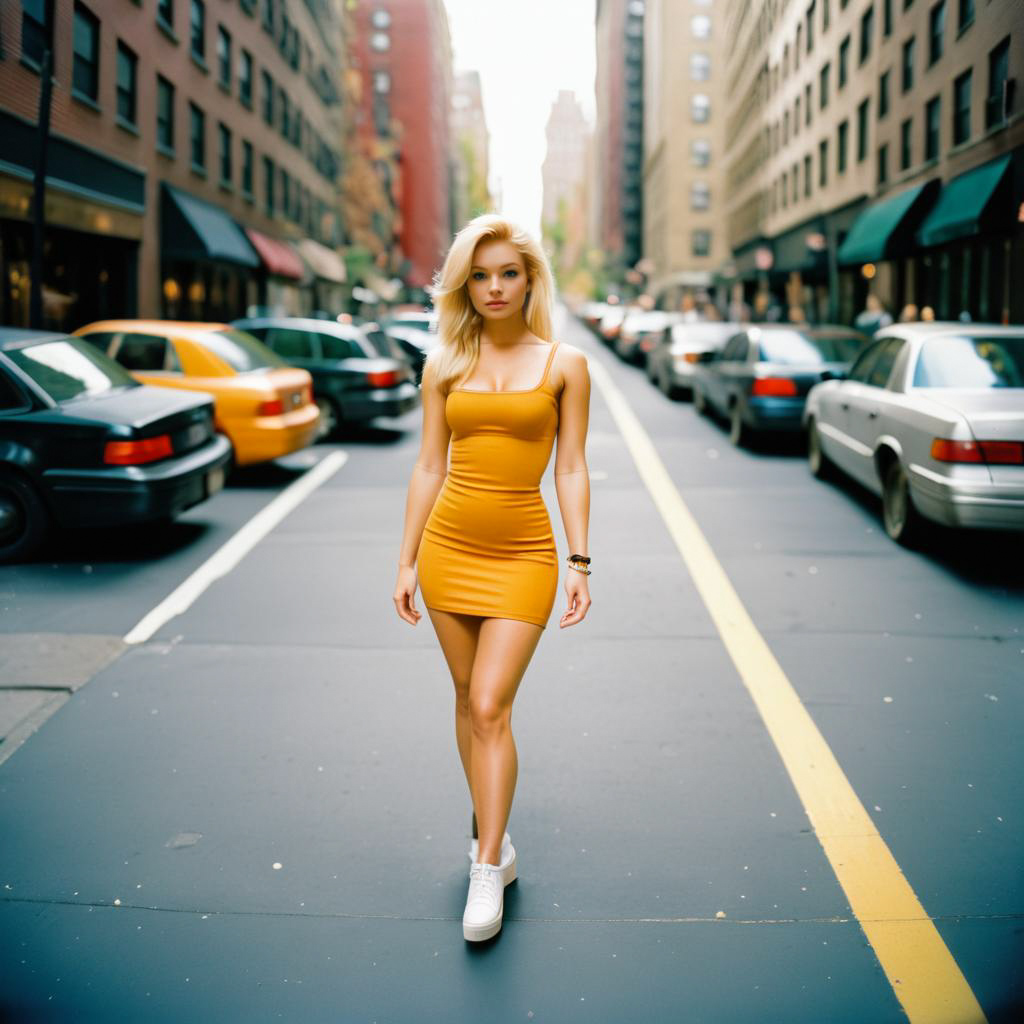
{"x": 24, "y": 519}
{"x": 328, "y": 418}
{"x": 700, "y": 403}
{"x": 901, "y": 519}
{"x": 739, "y": 432}
{"x": 820, "y": 464}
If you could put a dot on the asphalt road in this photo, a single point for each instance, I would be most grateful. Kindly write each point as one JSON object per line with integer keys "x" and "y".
{"x": 259, "y": 813}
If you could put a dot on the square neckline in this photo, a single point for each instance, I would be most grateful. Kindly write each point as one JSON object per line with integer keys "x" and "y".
{"x": 517, "y": 391}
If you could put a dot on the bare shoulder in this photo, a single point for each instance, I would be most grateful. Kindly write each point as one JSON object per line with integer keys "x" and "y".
{"x": 569, "y": 365}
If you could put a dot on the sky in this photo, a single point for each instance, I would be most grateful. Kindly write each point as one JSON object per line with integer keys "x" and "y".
{"x": 525, "y": 52}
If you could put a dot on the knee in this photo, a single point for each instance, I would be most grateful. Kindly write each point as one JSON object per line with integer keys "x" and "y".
{"x": 487, "y": 714}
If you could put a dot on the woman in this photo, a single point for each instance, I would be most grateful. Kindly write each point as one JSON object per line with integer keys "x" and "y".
{"x": 480, "y": 534}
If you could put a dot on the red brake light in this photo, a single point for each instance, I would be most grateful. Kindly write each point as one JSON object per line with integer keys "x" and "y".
{"x": 133, "y": 453}
{"x": 382, "y": 379}
{"x": 273, "y": 407}
{"x": 995, "y": 452}
{"x": 773, "y": 386}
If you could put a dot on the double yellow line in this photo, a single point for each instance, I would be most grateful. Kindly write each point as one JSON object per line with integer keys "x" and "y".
{"x": 924, "y": 976}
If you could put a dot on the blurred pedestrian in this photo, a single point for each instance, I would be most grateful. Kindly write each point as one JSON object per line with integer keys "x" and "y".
{"x": 927, "y": 314}
{"x": 874, "y": 317}
{"x": 488, "y": 578}
{"x": 908, "y": 314}
{"x": 796, "y": 315}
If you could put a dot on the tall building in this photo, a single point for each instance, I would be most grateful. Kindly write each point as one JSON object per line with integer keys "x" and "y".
{"x": 471, "y": 142}
{"x": 564, "y": 163}
{"x": 619, "y": 131}
{"x": 193, "y": 157}
{"x": 877, "y": 147}
{"x": 684, "y": 163}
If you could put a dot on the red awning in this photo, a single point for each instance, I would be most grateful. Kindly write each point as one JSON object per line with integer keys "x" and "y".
{"x": 278, "y": 257}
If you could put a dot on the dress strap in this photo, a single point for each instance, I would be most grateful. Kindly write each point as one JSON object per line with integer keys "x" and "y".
{"x": 547, "y": 366}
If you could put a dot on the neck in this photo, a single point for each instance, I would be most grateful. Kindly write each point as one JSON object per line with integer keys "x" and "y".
{"x": 506, "y": 332}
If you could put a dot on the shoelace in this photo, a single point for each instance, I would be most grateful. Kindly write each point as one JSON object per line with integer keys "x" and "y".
{"x": 483, "y": 883}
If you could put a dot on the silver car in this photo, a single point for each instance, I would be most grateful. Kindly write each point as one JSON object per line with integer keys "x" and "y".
{"x": 670, "y": 363}
{"x": 931, "y": 417}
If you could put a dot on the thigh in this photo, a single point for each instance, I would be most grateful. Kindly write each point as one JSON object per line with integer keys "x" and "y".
{"x": 502, "y": 656}
{"x": 458, "y": 635}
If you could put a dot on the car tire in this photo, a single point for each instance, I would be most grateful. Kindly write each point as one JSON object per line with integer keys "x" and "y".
{"x": 739, "y": 432}
{"x": 24, "y": 518}
{"x": 902, "y": 522}
{"x": 328, "y": 419}
{"x": 700, "y": 403}
{"x": 820, "y": 464}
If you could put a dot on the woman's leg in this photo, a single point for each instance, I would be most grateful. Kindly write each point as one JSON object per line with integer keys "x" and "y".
{"x": 503, "y": 652}
{"x": 458, "y": 635}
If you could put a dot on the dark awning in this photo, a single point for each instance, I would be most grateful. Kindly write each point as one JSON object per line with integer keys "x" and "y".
{"x": 802, "y": 248}
{"x": 961, "y": 208}
{"x": 885, "y": 229}
{"x": 193, "y": 229}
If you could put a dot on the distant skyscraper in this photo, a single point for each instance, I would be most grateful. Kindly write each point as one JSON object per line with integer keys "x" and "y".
{"x": 564, "y": 165}
{"x": 471, "y": 144}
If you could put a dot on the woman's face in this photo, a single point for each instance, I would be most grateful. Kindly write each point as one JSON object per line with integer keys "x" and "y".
{"x": 497, "y": 280}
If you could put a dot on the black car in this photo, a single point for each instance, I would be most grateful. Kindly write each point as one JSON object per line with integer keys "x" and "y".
{"x": 352, "y": 380}
{"x": 760, "y": 378}
{"x": 82, "y": 443}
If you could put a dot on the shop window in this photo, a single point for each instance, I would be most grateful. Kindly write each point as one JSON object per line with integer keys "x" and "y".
{"x": 127, "y": 73}
{"x": 36, "y": 30}
{"x": 85, "y": 76}
{"x": 164, "y": 114}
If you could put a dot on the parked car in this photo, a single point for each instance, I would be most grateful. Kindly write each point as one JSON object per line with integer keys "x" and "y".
{"x": 640, "y": 332}
{"x": 414, "y": 344}
{"x": 264, "y": 405}
{"x": 760, "y": 378}
{"x": 930, "y": 417}
{"x": 352, "y": 381}
{"x": 592, "y": 312}
{"x": 671, "y": 362}
{"x": 611, "y": 322}
{"x": 420, "y": 320}
{"x": 83, "y": 444}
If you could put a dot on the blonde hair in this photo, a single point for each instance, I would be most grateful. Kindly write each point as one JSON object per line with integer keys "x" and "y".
{"x": 459, "y": 323}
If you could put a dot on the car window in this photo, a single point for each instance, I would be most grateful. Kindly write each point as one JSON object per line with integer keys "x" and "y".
{"x": 11, "y": 396}
{"x": 966, "y": 362}
{"x": 340, "y": 348}
{"x": 735, "y": 348}
{"x": 290, "y": 343}
{"x": 103, "y": 340}
{"x": 878, "y": 375}
{"x": 146, "y": 352}
{"x": 383, "y": 343}
{"x": 796, "y": 347}
{"x": 70, "y": 368}
{"x": 240, "y": 350}
{"x": 864, "y": 362}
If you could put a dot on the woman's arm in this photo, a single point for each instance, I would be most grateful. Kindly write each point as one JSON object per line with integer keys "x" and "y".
{"x": 572, "y": 477}
{"x": 428, "y": 476}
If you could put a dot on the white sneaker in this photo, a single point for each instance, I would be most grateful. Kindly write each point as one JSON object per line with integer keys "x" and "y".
{"x": 485, "y": 902}
{"x": 474, "y": 848}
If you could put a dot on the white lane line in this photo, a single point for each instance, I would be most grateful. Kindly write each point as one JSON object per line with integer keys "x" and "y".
{"x": 226, "y": 557}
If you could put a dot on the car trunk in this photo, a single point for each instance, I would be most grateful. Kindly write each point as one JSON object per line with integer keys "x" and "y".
{"x": 992, "y": 415}
{"x": 804, "y": 377}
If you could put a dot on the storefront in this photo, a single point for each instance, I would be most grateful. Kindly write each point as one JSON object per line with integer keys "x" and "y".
{"x": 801, "y": 269}
{"x": 281, "y": 288}
{"x": 328, "y": 271}
{"x": 209, "y": 270}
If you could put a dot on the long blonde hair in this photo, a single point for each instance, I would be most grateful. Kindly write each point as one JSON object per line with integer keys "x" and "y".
{"x": 459, "y": 323}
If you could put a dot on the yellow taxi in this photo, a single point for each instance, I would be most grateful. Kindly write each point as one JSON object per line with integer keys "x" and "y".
{"x": 263, "y": 405}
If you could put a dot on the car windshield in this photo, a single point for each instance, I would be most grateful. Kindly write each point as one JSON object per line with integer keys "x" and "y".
{"x": 971, "y": 362}
{"x": 795, "y": 347}
{"x": 70, "y": 368}
{"x": 241, "y": 351}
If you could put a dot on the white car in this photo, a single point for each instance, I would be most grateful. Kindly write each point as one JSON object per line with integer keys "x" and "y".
{"x": 931, "y": 417}
{"x": 641, "y": 331}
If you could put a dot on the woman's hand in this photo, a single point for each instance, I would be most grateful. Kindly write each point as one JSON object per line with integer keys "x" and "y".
{"x": 578, "y": 593}
{"x": 405, "y": 594}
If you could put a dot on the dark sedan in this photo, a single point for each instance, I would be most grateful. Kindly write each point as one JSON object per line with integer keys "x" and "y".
{"x": 84, "y": 444}
{"x": 352, "y": 380}
{"x": 760, "y": 378}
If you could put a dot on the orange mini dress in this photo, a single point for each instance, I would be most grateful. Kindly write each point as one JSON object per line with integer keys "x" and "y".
{"x": 487, "y": 547}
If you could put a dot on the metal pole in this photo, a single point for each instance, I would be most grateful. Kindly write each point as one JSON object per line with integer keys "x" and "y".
{"x": 35, "y": 306}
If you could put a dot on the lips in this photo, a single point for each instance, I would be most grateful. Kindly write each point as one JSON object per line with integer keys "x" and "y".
{"x": 495, "y": 305}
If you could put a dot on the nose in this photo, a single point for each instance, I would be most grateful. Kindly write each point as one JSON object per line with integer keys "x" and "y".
{"x": 496, "y": 285}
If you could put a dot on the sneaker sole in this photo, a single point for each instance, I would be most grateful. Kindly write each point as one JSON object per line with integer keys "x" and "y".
{"x": 479, "y": 932}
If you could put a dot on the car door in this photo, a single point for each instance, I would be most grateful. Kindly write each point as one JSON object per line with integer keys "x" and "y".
{"x": 833, "y": 410}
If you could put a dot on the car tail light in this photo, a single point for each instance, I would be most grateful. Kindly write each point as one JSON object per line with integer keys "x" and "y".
{"x": 133, "y": 453}
{"x": 273, "y": 407}
{"x": 773, "y": 386}
{"x": 692, "y": 357}
{"x": 994, "y": 452}
{"x": 382, "y": 378}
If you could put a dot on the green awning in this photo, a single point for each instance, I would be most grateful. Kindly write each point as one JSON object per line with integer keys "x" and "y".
{"x": 962, "y": 205}
{"x": 883, "y": 228}
{"x": 193, "y": 229}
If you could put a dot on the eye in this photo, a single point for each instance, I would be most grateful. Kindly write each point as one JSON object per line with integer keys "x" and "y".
{"x": 478, "y": 274}
{"x": 513, "y": 273}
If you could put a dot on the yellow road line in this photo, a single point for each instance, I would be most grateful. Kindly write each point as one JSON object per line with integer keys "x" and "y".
{"x": 924, "y": 976}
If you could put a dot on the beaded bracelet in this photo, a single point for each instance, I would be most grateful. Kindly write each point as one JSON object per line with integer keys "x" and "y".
{"x": 579, "y": 568}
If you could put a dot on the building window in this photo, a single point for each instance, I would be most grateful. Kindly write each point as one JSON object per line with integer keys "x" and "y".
{"x": 998, "y": 69}
{"x": 380, "y": 41}
{"x": 36, "y": 30}
{"x": 844, "y": 62}
{"x": 962, "y": 108}
{"x": 907, "y": 82}
{"x": 822, "y": 163}
{"x": 247, "y": 169}
{"x": 700, "y": 108}
{"x": 700, "y": 196}
{"x": 932, "y": 113}
{"x": 286, "y": 115}
{"x": 165, "y": 13}
{"x": 85, "y": 77}
{"x": 867, "y": 30}
{"x": 906, "y": 143}
{"x": 267, "y": 19}
{"x": 127, "y": 72}
{"x": 700, "y": 242}
{"x": 798, "y": 46}
{"x": 268, "y": 97}
{"x": 825, "y": 17}
{"x": 784, "y": 189}
{"x": 795, "y": 182}
{"x": 862, "y": 130}
{"x": 197, "y": 136}
{"x": 823, "y": 86}
{"x": 245, "y": 77}
{"x": 286, "y": 194}
{"x": 269, "y": 172}
{"x": 936, "y": 29}
{"x": 886, "y": 18}
{"x": 807, "y": 103}
{"x": 700, "y": 67}
{"x": 883, "y": 94}
{"x": 796, "y": 116}
{"x": 883, "y": 164}
{"x": 841, "y": 146}
{"x": 225, "y": 153}
{"x": 224, "y": 56}
{"x": 700, "y": 26}
{"x": 809, "y": 21}
{"x": 197, "y": 31}
{"x": 785, "y": 128}
{"x": 164, "y": 114}
{"x": 700, "y": 153}
{"x": 807, "y": 176}
{"x": 966, "y": 14}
